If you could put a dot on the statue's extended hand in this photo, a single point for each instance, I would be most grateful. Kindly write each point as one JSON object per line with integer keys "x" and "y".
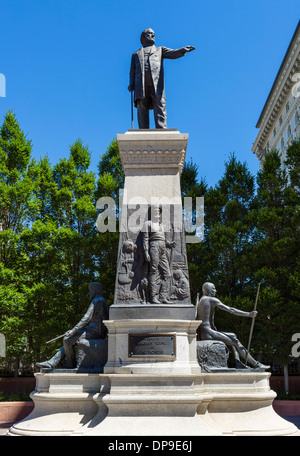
{"x": 189, "y": 48}
{"x": 171, "y": 245}
{"x": 253, "y": 313}
{"x": 147, "y": 257}
{"x": 130, "y": 88}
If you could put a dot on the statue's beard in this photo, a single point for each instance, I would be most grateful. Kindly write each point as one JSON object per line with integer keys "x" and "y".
{"x": 149, "y": 42}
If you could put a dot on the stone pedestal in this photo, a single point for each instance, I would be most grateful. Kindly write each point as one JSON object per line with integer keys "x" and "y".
{"x": 152, "y": 162}
{"x": 212, "y": 354}
{"x": 160, "y": 347}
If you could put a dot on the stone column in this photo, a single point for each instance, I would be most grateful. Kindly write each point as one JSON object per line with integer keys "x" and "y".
{"x": 152, "y": 162}
{"x": 159, "y": 336}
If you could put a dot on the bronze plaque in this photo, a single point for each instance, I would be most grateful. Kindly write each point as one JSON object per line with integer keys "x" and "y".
{"x": 152, "y": 345}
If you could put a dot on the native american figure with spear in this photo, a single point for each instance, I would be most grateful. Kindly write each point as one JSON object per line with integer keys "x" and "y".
{"x": 205, "y": 310}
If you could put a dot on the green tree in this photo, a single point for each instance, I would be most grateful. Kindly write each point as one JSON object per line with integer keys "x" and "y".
{"x": 42, "y": 282}
{"x": 110, "y": 183}
{"x": 15, "y": 208}
{"x": 193, "y": 187}
{"x": 276, "y": 252}
{"x": 228, "y": 227}
{"x": 15, "y": 183}
{"x": 43, "y": 190}
{"x": 75, "y": 214}
{"x": 111, "y": 174}
{"x": 60, "y": 248}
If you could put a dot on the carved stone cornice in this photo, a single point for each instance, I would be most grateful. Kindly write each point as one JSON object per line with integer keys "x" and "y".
{"x": 152, "y": 149}
{"x": 279, "y": 94}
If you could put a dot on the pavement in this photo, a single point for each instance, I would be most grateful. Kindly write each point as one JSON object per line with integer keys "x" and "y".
{"x": 293, "y": 419}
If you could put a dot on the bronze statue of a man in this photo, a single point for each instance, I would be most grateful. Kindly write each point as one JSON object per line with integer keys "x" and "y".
{"x": 147, "y": 79}
{"x": 89, "y": 327}
{"x": 205, "y": 311}
{"x": 155, "y": 250}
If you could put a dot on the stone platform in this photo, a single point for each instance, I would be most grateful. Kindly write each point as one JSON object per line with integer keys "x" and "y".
{"x": 237, "y": 404}
{"x": 152, "y": 385}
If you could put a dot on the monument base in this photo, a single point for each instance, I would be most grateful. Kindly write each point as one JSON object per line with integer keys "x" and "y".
{"x": 149, "y": 405}
{"x": 205, "y": 404}
{"x": 148, "y": 346}
{"x": 152, "y": 385}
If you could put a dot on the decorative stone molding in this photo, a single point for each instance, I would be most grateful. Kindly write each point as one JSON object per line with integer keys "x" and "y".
{"x": 279, "y": 95}
{"x": 152, "y": 149}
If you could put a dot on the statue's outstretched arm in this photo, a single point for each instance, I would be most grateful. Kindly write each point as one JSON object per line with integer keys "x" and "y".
{"x": 235, "y": 311}
{"x": 175, "y": 53}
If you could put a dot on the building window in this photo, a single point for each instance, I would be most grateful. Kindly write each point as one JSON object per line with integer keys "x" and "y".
{"x": 287, "y": 107}
{"x": 274, "y": 132}
{"x": 280, "y": 120}
{"x": 282, "y": 143}
{"x": 297, "y": 117}
{"x": 289, "y": 131}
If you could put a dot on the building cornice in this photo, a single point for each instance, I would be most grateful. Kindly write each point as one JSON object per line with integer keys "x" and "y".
{"x": 292, "y": 46}
{"x": 279, "y": 94}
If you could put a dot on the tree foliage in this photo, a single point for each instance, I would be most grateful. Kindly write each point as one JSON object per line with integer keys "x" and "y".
{"x": 49, "y": 244}
{"x": 50, "y": 248}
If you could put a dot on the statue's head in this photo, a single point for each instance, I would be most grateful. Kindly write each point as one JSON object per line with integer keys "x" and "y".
{"x": 95, "y": 289}
{"x": 129, "y": 246}
{"x": 147, "y": 37}
{"x": 155, "y": 212}
{"x": 209, "y": 289}
{"x": 178, "y": 274}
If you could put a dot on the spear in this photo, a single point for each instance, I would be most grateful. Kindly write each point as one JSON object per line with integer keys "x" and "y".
{"x": 252, "y": 323}
{"x": 55, "y": 338}
{"x": 197, "y": 302}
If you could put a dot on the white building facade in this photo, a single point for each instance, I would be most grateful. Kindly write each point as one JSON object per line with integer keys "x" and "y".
{"x": 279, "y": 121}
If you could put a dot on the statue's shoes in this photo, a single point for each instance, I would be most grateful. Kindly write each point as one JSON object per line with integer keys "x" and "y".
{"x": 261, "y": 366}
{"x": 155, "y": 301}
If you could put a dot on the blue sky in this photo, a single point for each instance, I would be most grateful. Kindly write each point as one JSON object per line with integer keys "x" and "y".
{"x": 66, "y": 64}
